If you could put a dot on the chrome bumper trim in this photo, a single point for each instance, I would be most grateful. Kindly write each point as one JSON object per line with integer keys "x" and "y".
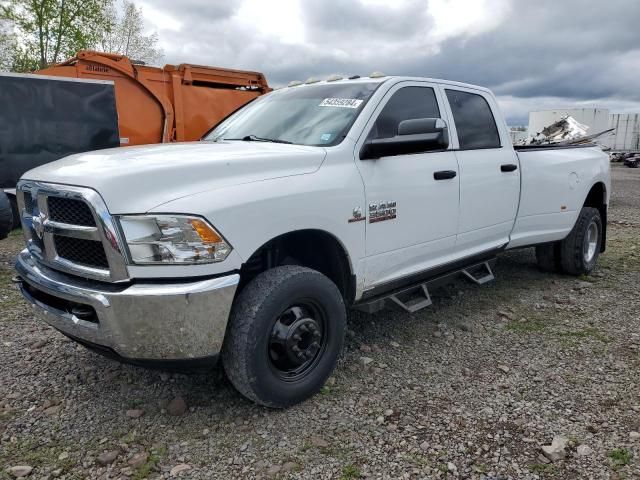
{"x": 171, "y": 321}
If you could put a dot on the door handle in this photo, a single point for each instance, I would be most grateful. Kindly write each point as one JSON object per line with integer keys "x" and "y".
{"x": 444, "y": 174}
{"x": 509, "y": 167}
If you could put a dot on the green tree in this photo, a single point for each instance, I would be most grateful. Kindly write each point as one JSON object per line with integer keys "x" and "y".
{"x": 13, "y": 56}
{"x": 52, "y": 30}
{"x": 22, "y": 60}
{"x": 7, "y": 46}
{"x": 124, "y": 34}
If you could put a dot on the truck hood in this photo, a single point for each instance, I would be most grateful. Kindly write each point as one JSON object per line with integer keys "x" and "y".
{"x": 137, "y": 179}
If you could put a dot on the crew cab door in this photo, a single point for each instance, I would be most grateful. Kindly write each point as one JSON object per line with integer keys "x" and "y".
{"x": 489, "y": 171}
{"x": 411, "y": 205}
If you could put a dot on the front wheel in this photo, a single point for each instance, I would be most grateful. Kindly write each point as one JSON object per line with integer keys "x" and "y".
{"x": 284, "y": 336}
{"x": 580, "y": 250}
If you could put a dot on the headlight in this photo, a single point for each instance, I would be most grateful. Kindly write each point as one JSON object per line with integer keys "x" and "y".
{"x": 157, "y": 239}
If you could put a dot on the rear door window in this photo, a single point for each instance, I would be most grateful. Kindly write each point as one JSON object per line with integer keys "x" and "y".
{"x": 474, "y": 120}
{"x": 407, "y": 103}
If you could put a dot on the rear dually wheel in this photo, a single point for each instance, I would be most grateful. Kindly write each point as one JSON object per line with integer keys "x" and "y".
{"x": 579, "y": 252}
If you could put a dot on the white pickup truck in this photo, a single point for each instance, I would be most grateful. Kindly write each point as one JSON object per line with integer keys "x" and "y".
{"x": 252, "y": 243}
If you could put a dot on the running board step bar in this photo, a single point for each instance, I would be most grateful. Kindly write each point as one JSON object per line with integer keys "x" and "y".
{"x": 479, "y": 273}
{"x": 412, "y": 299}
{"x": 416, "y": 297}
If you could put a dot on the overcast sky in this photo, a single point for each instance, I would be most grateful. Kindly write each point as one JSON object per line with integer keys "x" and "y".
{"x": 534, "y": 54}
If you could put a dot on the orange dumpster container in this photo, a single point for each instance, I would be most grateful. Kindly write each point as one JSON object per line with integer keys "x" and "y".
{"x": 168, "y": 104}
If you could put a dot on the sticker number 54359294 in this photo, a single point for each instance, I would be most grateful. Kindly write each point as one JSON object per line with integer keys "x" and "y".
{"x": 340, "y": 102}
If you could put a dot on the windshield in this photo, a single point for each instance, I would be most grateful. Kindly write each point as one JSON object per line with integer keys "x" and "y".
{"x": 318, "y": 115}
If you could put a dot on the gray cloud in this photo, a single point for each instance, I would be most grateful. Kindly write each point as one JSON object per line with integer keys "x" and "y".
{"x": 206, "y": 11}
{"x": 572, "y": 51}
{"x": 354, "y": 18}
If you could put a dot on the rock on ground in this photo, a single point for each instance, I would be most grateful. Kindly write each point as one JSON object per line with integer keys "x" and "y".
{"x": 178, "y": 469}
{"x": 20, "y": 471}
{"x": 556, "y": 451}
{"x": 177, "y": 407}
{"x": 107, "y": 458}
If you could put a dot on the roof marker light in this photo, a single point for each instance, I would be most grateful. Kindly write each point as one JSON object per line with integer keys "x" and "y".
{"x": 334, "y": 78}
{"x": 377, "y": 75}
{"x": 295, "y": 83}
{"x": 312, "y": 80}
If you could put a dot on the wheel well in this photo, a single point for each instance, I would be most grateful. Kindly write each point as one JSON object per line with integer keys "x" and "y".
{"x": 597, "y": 198}
{"x": 314, "y": 249}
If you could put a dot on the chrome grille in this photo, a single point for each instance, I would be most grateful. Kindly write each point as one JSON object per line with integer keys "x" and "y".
{"x": 70, "y": 211}
{"x": 69, "y": 229}
{"x": 89, "y": 253}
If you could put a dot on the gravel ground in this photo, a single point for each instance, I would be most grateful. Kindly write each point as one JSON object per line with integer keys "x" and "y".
{"x": 472, "y": 387}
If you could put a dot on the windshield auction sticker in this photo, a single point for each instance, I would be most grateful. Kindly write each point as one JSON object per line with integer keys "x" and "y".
{"x": 340, "y": 102}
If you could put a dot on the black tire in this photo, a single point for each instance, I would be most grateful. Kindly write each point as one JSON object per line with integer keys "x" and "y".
{"x": 6, "y": 216}
{"x": 575, "y": 256}
{"x": 267, "y": 311}
{"x": 548, "y": 257}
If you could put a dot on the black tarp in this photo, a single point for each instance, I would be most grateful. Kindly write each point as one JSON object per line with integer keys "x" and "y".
{"x": 43, "y": 119}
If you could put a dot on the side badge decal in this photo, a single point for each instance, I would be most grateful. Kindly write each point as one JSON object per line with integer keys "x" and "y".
{"x": 379, "y": 212}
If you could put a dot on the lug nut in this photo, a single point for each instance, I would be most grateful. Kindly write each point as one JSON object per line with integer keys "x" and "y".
{"x": 296, "y": 349}
{"x": 297, "y": 337}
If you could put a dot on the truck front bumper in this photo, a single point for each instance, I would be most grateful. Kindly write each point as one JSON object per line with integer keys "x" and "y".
{"x": 156, "y": 322}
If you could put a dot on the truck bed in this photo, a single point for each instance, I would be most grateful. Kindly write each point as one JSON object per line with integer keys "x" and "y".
{"x": 548, "y": 209}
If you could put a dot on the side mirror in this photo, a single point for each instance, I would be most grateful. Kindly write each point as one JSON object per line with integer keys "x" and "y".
{"x": 414, "y": 136}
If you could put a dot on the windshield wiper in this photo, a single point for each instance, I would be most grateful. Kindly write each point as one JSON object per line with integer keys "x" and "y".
{"x": 255, "y": 138}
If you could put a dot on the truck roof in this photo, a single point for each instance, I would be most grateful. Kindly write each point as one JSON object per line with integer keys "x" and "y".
{"x": 385, "y": 78}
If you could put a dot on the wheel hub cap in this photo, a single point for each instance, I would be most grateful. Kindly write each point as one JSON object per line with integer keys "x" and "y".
{"x": 296, "y": 339}
{"x": 302, "y": 339}
{"x": 590, "y": 242}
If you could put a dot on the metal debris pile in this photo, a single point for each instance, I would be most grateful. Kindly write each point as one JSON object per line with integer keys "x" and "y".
{"x": 567, "y": 131}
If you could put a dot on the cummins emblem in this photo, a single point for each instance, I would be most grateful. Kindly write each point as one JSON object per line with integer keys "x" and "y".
{"x": 379, "y": 212}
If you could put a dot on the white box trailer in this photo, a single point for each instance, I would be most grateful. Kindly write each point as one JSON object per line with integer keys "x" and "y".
{"x": 626, "y": 137}
{"x": 518, "y": 134}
